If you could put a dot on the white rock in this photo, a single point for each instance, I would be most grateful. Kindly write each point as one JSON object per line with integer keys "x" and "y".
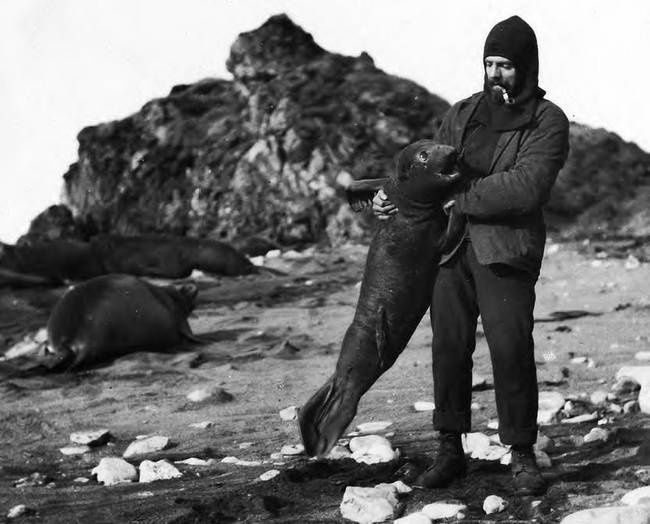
{"x": 203, "y": 424}
{"x": 494, "y": 504}
{"x": 443, "y": 510}
{"x": 542, "y": 459}
{"x": 506, "y": 460}
{"x": 339, "y": 452}
{"x": 146, "y": 445}
{"x": 631, "y": 262}
{"x": 230, "y": 460}
{"x": 239, "y": 462}
{"x": 292, "y": 449}
{"x": 550, "y": 401}
{"x": 414, "y": 518}
{"x": 640, "y": 374}
{"x": 372, "y": 449}
{"x": 368, "y": 504}
{"x": 201, "y": 394}
{"x": 642, "y": 355}
{"x": 597, "y": 435}
{"x": 546, "y": 416}
{"x": 475, "y": 406}
{"x": 373, "y": 427}
{"x": 398, "y": 486}
{"x": 614, "y": 408}
{"x": 268, "y": 475}
{"x": 587, "y": 417}
{"x": 245, "y": 445}
{"x": 579, "y": 360}
{"x": 644, "y": 398}
{"x": 598, "y": 397}
{"x": 610, "y": 515}
{"x": 257, "y": 261}
{"x": 493, "y": 424}
{"x": 90, "y": 438}
{"x": 193, "y": 461}
{"x": 273, "y": 253}
{"x": 81, "y": 480}
{"x": 277, "y": 456}
{"x": 75, "y": 450}
{"x": 114, "y": 470}
{"x": 423, "y": 405}
{"x": 475, "y": 442}
{"x": 637, "y": 496}
{"x": 290, "y": 413}
{"x": 161, "y": 470}
{"x": 17, "y": 511}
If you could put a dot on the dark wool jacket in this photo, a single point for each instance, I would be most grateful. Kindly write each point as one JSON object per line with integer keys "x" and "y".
{"x": 504, "y": 208}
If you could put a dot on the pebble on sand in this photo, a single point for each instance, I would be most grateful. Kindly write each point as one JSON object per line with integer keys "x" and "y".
{"x": 290, "y": 413}
{"x": 372, "y": 449}
{"x": 610, "y": 515}
{"x": 368, "y": 504}
{"x": 210, "y": 392}
{"x": 268, "y": 475}
{"x": 414, "y": 518}
{"x": 443, "y": 510}
{"x": 423, "y": 405}
{"x": 193, "y": 461}
{"x": 373, "y": 427}
{"x": 642, "y": 355}
{"x": 114, "y": 470}
{"x": 74, "y": 450}
{"x": 81, "y": 480}
{"x": 587, "y": 417}
{"x": 637, "y": 496}
{"x": 292, "y": 449}
{"x": 551, "y": 400}
{"x": 97, "y": 437}
{"x": 205, "y": 424}
{"x": 146, "y": 445}
{"x": 494, "y": 504}
{"x": 161, "y": 470}
{"x": 640, "y": 374}
{"x": 239, "y": 462}
{"x": 597, "y": 435}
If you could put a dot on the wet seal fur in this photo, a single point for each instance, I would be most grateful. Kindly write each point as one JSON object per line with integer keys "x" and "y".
{"x": 396, "y": 289}
{"x": 110, "y": 316}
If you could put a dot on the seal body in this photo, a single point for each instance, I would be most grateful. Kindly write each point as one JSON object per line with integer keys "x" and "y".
{"x": 168, "y": 256}
{"x": 395, "y": 293}
{"x": 113, "y": 315}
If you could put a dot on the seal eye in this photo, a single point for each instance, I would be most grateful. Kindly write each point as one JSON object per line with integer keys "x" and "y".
{"x": 423, "y": 156}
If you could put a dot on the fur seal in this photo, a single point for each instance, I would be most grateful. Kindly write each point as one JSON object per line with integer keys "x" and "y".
{"x": 110, "y": 316}
{"x": 396, "y": 288}
{"x": 169, "y": 256}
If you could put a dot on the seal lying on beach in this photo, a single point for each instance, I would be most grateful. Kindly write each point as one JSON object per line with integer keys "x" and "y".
{"x": 396, "y": 288}
{"x": 110, "y": 316}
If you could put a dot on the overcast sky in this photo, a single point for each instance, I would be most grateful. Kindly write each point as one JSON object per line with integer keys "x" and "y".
{"x": 66, "y": 64}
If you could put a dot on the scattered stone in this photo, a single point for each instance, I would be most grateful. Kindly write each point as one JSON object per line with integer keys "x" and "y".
{"x": 637, "y": 496}
{"x": 161, "y": 470}
{"x": 615, "y": 408}
{"x": 373, "y": 427}
{"x": 631, "y": 406}
{"x": 398, "y": 485}
{"x": 94, "y": 438}
{"x": 542, "y": 459}
{"x": 211, "y": 392}
{"x": 642, "y": 355}
{"x": 202, "y": 425}
{"x": 506, "y": 460}
{"x": 493, "y": 424}
{"x": 610, "y": 515}
{"x": 494, "y": 504}
{"x": 290, "y": 413}
{"x": 30, "y": 345}
{"x": 598, "y": 397}
{"x": 193, "y": 461}
{"x": 551, "y": 401}
{"x": 339, "y": 452}
{"x": 597, "y": 435}
{"x": 475, "y": 442}
{"x": 35, "y": 479}
{"x": 81, "y": 480}
{"x": 414, "y": 518}
{"x": 640, "y": 374}
{"x": 579, "y": 360}
{"x": 443, "y": 510}
{"x": 544, "y": 443}
{"x": 631, "y": 262}
{"x": 475, "y": 406}
{"x": 292, "y": 449}
{"x": 245, "y": 445}
{"x": 75, "y": 450}
{"x": 587, "y": 417}
{"x": 19, "y": 511}
{"x": 268, "y": 475}
{"x": 372, "y": 449}
{"x": 146, "y": 445}
{"x": 114, "y": 470}
{"x": 423, "y": 405}
{"x": 239, "y": 462}
{"x": 368, "y": 504}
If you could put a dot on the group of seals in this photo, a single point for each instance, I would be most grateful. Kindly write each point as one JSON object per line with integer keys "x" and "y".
{"x": 165, "y": 256}
{"x": 110, "y": 316}
{"x": 395, "y": 291}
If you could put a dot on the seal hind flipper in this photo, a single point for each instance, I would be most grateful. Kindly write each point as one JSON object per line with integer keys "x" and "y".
{"x": 361, "y": 192}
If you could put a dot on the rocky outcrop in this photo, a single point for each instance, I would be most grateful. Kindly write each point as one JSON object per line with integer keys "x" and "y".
{"x": 264, "y": 157}
{"x": 266, "y": 153}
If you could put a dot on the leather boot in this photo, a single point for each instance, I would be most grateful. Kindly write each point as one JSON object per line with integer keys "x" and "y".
{"x": 448, "y": 465}
{"x": 526, "y": 476}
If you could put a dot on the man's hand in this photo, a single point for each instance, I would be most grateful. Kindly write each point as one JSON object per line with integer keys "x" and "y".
{"x": 383, "y": 208}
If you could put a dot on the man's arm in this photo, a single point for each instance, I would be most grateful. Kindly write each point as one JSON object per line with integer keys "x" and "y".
{"x": 527, "y": 185}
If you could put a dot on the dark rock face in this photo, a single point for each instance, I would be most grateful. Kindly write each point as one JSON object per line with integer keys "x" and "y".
{"x": 267, "y": 153}
{"x": 56, "y": 222}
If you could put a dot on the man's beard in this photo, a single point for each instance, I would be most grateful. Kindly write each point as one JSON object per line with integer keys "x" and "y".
{"x": 497, "y": 93}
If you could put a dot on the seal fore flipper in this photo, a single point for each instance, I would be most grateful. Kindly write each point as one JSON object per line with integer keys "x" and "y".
{"x": 361, "y": 192}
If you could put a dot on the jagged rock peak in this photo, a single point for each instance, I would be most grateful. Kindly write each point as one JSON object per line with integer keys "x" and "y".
{"x": 273, "y": 48}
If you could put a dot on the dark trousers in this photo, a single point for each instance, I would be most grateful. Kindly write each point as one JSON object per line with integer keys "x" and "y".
{"x": 504, "y": 296}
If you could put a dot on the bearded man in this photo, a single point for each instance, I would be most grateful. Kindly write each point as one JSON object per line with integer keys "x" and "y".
{"x": 513, "y": 142}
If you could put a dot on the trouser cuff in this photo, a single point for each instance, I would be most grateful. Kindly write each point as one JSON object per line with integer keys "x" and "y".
{"x": 518, "y": 437}
{"x": 456, "y": 421}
